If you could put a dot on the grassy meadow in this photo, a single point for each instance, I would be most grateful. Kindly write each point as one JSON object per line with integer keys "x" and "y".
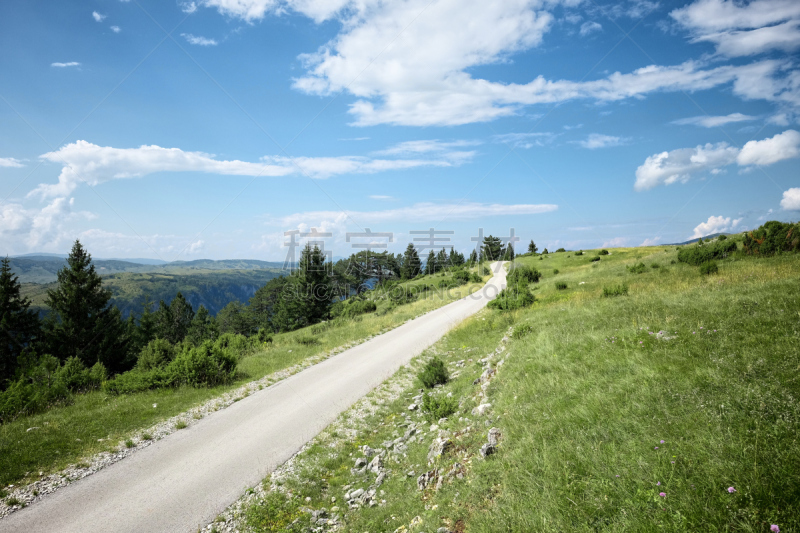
{"x": 96, "y": 421}
{"x": 672, "y": 408}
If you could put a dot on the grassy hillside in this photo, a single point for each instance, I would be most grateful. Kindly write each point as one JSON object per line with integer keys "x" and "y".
{"x": 97, "y": 421}
{"x": 673, "y": 408}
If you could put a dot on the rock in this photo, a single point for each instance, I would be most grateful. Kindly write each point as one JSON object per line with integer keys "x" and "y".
{"x": 368, "y": 452}
{"x": 487, "y": 450}
{"x": 379, "y": 480}
{"x": 443, "y": 530}
{"x": 361, "y": 462}
{"x": 376, "y": 464}
{"x": 494, "y": 436}
{"x": 412, "y": 407}
{"x": 410, "y": 432}
{"x": 438, "y": 447}
{"x": 355, "y": 494}
{"x": 31, "y": 429}
{"x": 425, "y": 479}
{"x": 481, "y": 409}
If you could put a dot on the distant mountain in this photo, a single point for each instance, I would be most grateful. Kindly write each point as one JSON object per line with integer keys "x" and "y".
{"x": 141, "y": 261}
{"x": 712, "y": 236}
{"x": 42, "y": 268}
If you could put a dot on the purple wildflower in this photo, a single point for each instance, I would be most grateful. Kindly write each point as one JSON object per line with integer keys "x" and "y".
{"x": 656, "y": 447}
{"x": 731, "y": 490}
{"x": 662, "y": 441}
{"x": 774, "y": 527}
{"x": 658, "y": 484}
{"x": 662, "y": 494}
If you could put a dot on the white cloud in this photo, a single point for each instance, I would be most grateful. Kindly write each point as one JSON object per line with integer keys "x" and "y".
{"x": 791, "y": 199}
{"x": 590, "y": 27}
{"x": 188, "y": 7}
{"x": 199, "y": 41}
{"x": 97, "y": 16}
{"x": 116, "y": 29}
{"x": 62, "y": 65}
{"x": 22, "y": 228}
{"x": 525, "y": 140}
{"x": 651, "y": 242}
{"x": 739, "y": 29}
{"x": 10, "y": 162}
{"x": 429, "y": 146}
{"x": 195, "y": 247}
{"x": 679, "y": 165}
{"x": 713, "y": 122}
{"x": 84, "y": 161}
{"x": 418, "y": 212}
{"x": 715, "y": 225}
{"x": 598, "y": 140}
{"x": 782, "y": 146}
{"x": 381, "y": 197}
{"x": 616, "y": 242}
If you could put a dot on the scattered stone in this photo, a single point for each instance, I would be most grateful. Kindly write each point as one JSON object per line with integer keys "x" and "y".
{"x": 494, "y": 436}
{"x": 481, "y": 409}
{"x": 487, "y": 450}
{"x": 425, "y": 479}
{"x": 438, "y": 447}
{"x": 412, "y": 407}
{"x": 360, "y": 462}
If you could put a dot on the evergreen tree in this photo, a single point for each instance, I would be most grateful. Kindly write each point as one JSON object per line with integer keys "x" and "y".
{"x": 492, "y": 248}
{"x": 262, "y": 305}
{"x": 430, "y": 264}
{"x": 173, "y": 320}
{"x": 234, "y": 318}
{"x": 456, "y": 258}
{"x": 203, "y": 327}
{"x": 19, "y": 326}
{"x": 442, "y": 259}
{"x": 82, "y": 324}
{"x": 146, "y": 330}
{"x": 411, "y": 263}
{"x": 473, "y": 257}
{"x": 532, "y": 249}
{"x": 308, "y": 294}
{"x": 509, "y": 253}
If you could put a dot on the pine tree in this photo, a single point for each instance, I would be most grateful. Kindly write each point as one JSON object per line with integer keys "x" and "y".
{"x": 82, "y": 323}
{"x": 234, "y": 318}
{"x": 492, "y": 248}
{"x": 19, "y": 326}
{"x": 532, "y": 249}
{"x": 411, "y": 263}
{"x": 442, "y": 260}
{"x": 173, "y": 320}
{"x": 430, "y": 264}
{"x": 473, "y": 257}
{"x": 509, "y": 254}
{"x": 203, "y": 327}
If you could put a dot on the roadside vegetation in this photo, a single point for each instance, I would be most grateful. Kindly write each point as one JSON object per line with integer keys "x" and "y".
{"x": 670, "y": 406}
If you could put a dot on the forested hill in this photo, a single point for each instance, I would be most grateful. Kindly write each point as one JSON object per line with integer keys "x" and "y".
{"x": 212, "y": 288}
{"x": 43, "y": 268}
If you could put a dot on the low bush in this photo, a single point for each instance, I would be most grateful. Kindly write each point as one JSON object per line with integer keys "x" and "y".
{"x": 436, "y": 407}
{"x": 352, "y": 307}
{"x": 772, "y": 238}
{"x": 555, "y": 271}
{"x": 264, "y": 336}
{"x": 461, "y": 276}
{"x": 561, "y": 286}
{"x": 475, "y": 278}
{"x": 235, "y": 343}
{"x": 157, "y": 354}
{"x": 697, "y": 255}
{"x": 655, "y": 265}
{"x": 560, "y": 250}
{"x": 486, "y": 271}
{"x": 579, "y": 252}
{"x": 522, "y": 330}
{"x": 602, "y": 252}
{"x": 401, "y": 296}
{"x": 513, "y": 297}
{"x": 306, "y": 340}
{"x": 615, "y": 290}
{"x": 594, "y": 259}
{"x": 708, "y": 268}
{"x": 433, "y": 373}
{"x": 722, "y": 238}
{"x": 638, "y": 268}
{"x": 523, "y": 274}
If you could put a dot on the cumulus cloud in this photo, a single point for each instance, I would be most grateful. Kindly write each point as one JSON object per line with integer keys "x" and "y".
{"x": 738, "y": 29}
{"x": 97, "y": 16}
{"x": 381, "y": 197}
{"x": 22, "y": 228}
{"x": 616, "y": 242}
{"x": 680, "y": 165}
{"x": 10, "y": 162}
{"x": 590, "y": 27}
{"x": 707, "y": 121}
{"x": 785, "y": 145}
{"x": 713, "y": 225}
{"x": 791, "y": 199}
{"x": 525, "y": 140}
{"x": 598, "y": 140}
{"x": 199, "y": 41}
{"x": 83, "y": 161}
{"x": 188, "y": 7}
{"x": 63, "y": 65}
{"x": 116, "y": 29}
{"x": 651, "y": 241}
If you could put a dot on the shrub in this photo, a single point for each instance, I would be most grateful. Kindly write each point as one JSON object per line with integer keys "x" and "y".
{"x": 722, "y": 238}
{"x": 461, "y": 276}
{"x": 205, "y": 365}
{"x": 475, "y": 278}
{"x": 594, "y": 259}
{"x": 513, "y": 297}
{"x": 486, "y": 271}
{"x": 709, "y": 267}
{"x": 638, "y": 268}
{"x": 772, "y": 238}
{"x": 655, "y": 265}
{"x": 435, "y": 407}
{"x": 560, "y": 250}
{"x": 579, "y": 252}
{"x": 352, "y": 307}
{"x": 561, "y": 286}
{"x": 555, "y": 271}
{"x": 522, "y": 331}
{"x": 697, "y": 255}
{"x": 448, "y": 283}
{"x": 157, "y": 354}
{"x": 523, "y": 274}
{"x": 39, "y": 388}
{"x": 602, "y": 252}
{"x": 401, "y": 296}
{"x": 434, "y": 373}
{"x": 234, "y": 343}
{"x": 306, "y": 340}
{"x": 264, "y": 336}
{"x": 615, "y": 290}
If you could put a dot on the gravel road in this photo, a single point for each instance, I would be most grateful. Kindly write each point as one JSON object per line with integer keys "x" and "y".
{"x": 182, "y": 482}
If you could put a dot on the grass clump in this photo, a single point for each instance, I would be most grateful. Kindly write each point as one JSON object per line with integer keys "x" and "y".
{"x": 594, "y": 259}
{"x": 436, "y": 407}
{"x": 555, "y": 271}
{"x": 615, "y": 290}
{"x": 521, "y": 331}
{"x": 602, "y": 252}
{"x": 561, "y": 286}
{"x": 638, "y": 268}
{"x": 180, "y": 424}
{"x": 352, "y": 307}
{"x": 523, "y": 274}
{"x": 129, "y": 443}
{"x": 434, "y": 373}
{"x": 276, "y": 513}
{"x": 708, "y": 268}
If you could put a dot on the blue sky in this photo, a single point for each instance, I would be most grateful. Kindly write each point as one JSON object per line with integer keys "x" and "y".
{"x": 181, "y": 130}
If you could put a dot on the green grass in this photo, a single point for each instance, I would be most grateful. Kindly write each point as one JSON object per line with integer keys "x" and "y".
{"x": 586, "y": 397}
{"x": 66, "y": 434}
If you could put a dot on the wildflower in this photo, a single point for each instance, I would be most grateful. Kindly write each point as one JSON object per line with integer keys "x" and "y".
{"x": 731, "y": 490}
{"x": 774, "y": 527}
{"x": 662, "y": 441}
{"x": 658, "y": 484}
{"x": 662, "y": 494}
{"x": 673, "y": 462}
{"x": 656, "y": 447}
{"x": 617, "y": 475}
